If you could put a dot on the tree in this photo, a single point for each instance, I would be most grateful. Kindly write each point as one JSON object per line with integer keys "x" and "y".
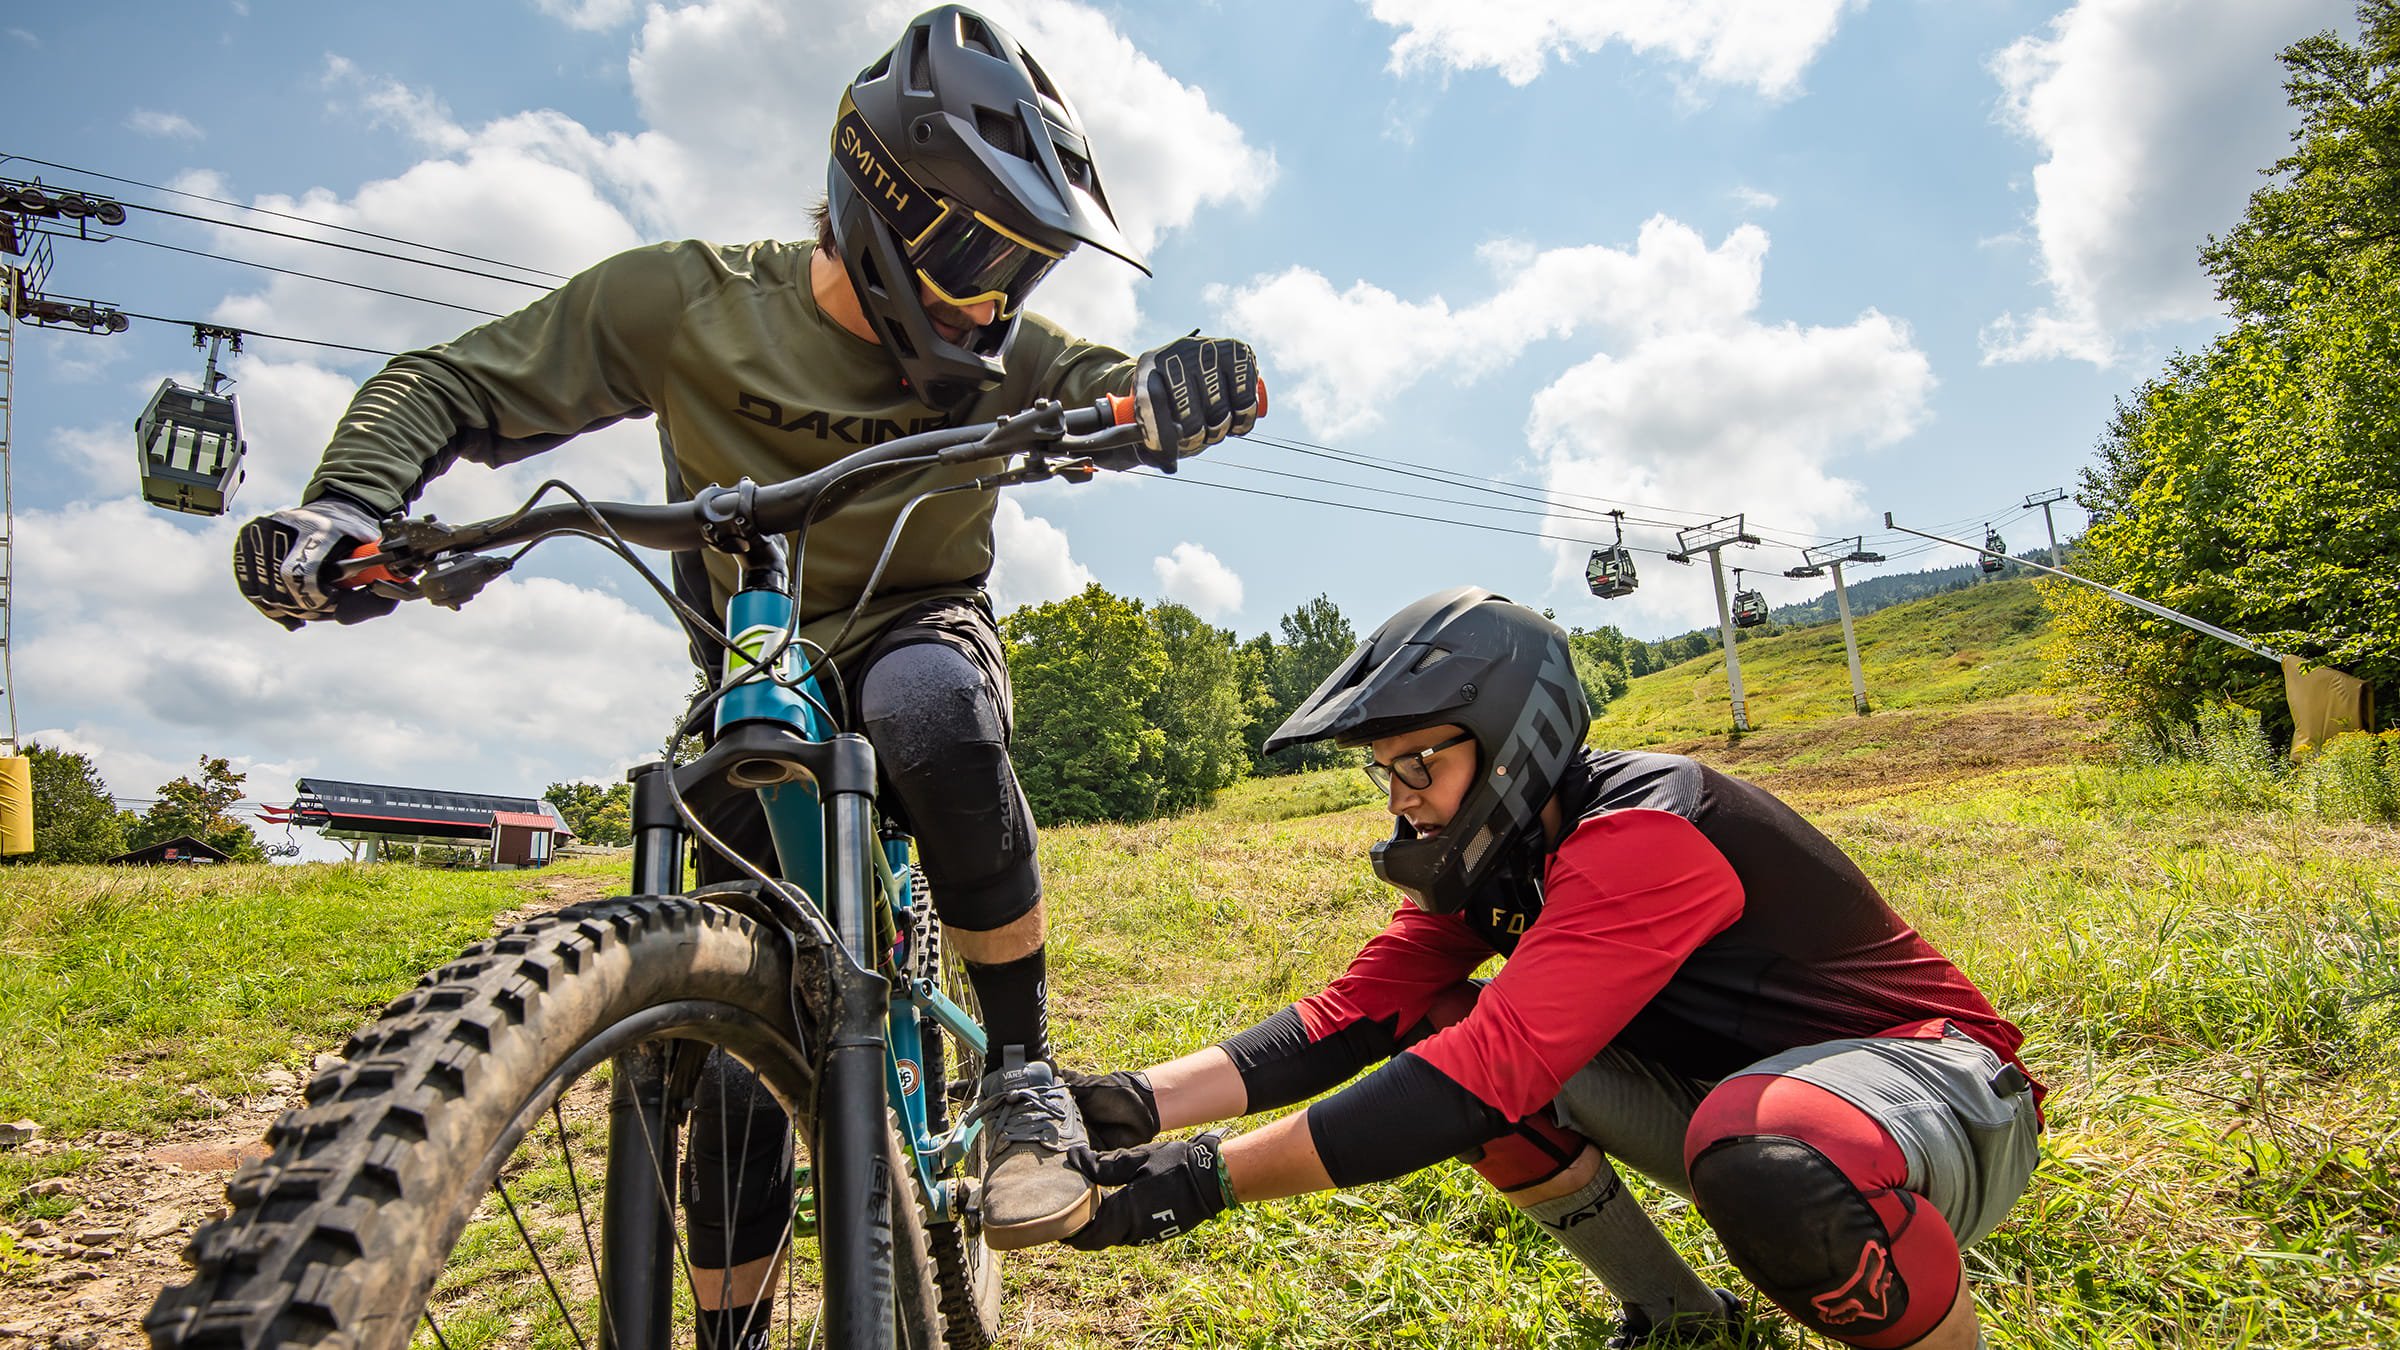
{"x": 73, "y": 819}
{"x": 1315, "y": 639}
{"x": 597, "y": 815}
{"x": 1600, "y": 665}
{"x": 203, "y": 810}
{"x": 1086, "y": 670}
{"x": 1199, "y": 706}
{"x": 2256, "y": 484}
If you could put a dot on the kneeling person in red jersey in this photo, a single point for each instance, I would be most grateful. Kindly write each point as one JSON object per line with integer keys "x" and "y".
{"x": 1698, "y": 985}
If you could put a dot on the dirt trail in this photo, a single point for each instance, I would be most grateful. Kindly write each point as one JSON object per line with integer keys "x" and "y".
{"x": 139, "y": 1201}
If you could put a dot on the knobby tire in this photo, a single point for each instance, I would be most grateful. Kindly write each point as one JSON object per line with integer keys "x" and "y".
{"x": 338, "y": 1237}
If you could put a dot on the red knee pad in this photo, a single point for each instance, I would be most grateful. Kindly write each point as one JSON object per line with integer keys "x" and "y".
{"x": 1533, "y": 1151}
{"x": 1805, "y": 1190}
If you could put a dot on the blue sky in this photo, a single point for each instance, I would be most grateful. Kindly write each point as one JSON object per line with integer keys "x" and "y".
{"x": 1811, "y": 260}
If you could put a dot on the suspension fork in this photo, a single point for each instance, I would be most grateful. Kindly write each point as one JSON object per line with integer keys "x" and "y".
{"x": 855, "y": 1185}
{"x": 637, "y": 1233}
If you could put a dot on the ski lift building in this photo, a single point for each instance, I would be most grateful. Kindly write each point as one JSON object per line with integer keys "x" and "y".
{"x": 513, "y": 831}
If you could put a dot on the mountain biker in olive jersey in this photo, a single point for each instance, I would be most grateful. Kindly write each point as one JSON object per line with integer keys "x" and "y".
{"x": 959, "y": 177}
{"x": 1698, "y": 984}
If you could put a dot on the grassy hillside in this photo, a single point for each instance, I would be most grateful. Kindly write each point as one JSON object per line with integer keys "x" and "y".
{"x": 2209, "y": 988}
{"x": 1960, "y": 647}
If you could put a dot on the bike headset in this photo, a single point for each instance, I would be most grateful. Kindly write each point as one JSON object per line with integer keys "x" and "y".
{"x": 958, "y": 164}
{"x": 1501, "y": 673}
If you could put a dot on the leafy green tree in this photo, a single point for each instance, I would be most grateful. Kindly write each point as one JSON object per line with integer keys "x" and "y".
{"x": 73, "y": 819}
{"x": 1315, "y": 639}
{"x": 2332, "y": 213}
{"x": 203, "y": 809}
{"x": 1086, "y": 670}
{"x": 1600, "y": 665}
{"x": 2256, "y": 484}
{"x": 597, "y": 815}
{"x": 1199, "y": 705}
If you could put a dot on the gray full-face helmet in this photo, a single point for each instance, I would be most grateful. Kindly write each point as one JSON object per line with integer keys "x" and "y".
{"x": 957, "y": 163}
{"x": 1490, "y": 666}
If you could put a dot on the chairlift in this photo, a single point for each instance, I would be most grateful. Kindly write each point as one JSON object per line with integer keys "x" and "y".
{"x": 1995, "y": 551}
{"x": 1749, "y": 607}
{"x": 1610, "y": 572}
{"x": 190, "y": 440}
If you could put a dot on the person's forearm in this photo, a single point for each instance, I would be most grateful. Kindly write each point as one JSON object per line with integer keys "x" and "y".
{"x": 1200, "y": 1087}
{"x": 1276, "y": 1161}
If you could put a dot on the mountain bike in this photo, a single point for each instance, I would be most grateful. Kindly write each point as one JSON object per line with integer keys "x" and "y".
{"x": 496, "y": 1160}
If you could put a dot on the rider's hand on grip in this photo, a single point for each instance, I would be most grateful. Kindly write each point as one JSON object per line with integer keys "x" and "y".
{"x": 1193, "y": 393}
{"x": 281, "y": 563}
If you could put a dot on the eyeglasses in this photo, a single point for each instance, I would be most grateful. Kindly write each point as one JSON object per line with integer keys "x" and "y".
{"x": 1409, "y": 768}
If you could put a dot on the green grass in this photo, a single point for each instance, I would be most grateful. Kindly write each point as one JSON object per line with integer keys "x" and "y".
{"x": 1960, "y": 647}
{"x": 126, "y": 994}
{"x": 2209, "y": 979}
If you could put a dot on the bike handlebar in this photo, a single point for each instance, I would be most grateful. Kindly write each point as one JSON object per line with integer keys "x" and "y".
{"x": 1102, "y": 435}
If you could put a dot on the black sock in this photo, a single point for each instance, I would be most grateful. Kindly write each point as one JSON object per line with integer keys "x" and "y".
{"x": 743, "y": 1328}
{"x": 1016, "y": 1009}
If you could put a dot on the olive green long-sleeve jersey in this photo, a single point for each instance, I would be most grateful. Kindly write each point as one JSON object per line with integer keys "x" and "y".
{"x": 725, "y": 344}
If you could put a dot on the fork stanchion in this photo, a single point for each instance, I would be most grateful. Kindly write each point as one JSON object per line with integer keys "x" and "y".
{"x": 658, "y": 836}
{"x": 637, "y": 1237}
{"x": 855, "y": 1185}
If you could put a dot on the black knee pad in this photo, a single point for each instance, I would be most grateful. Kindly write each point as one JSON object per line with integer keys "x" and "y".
{"x": 1797, "y": 1228}
{"x": 941, "y": 739}
{"x": 737, "y": 1167}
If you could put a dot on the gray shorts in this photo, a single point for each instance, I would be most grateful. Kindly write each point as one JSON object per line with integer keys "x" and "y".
{"x": 1970, "y": 1150}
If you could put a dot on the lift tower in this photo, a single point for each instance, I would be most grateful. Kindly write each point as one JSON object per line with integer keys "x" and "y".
{"x": 1711, "y": 539}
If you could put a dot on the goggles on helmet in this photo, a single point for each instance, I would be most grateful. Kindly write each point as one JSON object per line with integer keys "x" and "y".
{"x": 962, "y": 255}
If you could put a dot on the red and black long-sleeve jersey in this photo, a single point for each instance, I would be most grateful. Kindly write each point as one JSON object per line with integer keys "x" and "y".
{"x": 1690, "y": 917}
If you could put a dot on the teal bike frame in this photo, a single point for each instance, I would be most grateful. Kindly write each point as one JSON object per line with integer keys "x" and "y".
{"x": 757, "y": 620}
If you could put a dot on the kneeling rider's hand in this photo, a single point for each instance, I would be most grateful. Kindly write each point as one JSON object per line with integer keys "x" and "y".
{"x": 1193, "y": 393}
{"x": 1119, "y": 1109}
{"x": 280, "y": 562}
{"x": 1164, "y": 1190}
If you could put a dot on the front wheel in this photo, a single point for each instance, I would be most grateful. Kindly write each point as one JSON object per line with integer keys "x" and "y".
{"x": 451, "y": 1185}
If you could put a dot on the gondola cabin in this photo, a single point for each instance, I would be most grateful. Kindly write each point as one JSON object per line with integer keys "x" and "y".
{"x": 1995, "y": 552}
{"x": 1611, "y": 573}
{"x": 1749, "y": 609}
{"x": 191, "y": 450}
{"x": 190, "y": 440}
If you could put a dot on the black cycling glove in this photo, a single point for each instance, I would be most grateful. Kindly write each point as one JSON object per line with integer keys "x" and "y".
{"x": 1119, "y": 1110}
{"x": 1163, "y": 1190}
{"x": 280, "y": 561}
{"x": 1193, "y": 393}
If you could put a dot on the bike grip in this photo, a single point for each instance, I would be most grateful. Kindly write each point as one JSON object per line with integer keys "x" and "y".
{"x": 366, "y": 575}
{"x": 1120, "y": 409}
{"x": 1262, "y": 396}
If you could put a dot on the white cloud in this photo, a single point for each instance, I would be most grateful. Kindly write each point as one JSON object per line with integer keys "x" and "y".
{"x": 1691, "y": 402}
{"x": 1031, "y": 564}
{"x": 1756, "y": 199}
{"x": 1194, "y": 577}
{"x": 534, "y": 680}
{"x": 1346, "y": 355}
{"x": 2153, "y": 117}
{"x": 1764, "y": 44}
{"x": 591, "y": 15}
{"x": 172, "y": 126}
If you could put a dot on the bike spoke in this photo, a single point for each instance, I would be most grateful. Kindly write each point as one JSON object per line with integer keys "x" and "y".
{"x": 532, "y": 1249}
{"x": 583, "y": 1218}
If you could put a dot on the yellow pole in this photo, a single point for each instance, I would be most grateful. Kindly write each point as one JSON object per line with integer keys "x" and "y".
{"x": 16, "y": 804}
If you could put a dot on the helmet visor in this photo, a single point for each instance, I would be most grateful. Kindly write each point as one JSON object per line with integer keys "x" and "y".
{"x": 966, "y": 258}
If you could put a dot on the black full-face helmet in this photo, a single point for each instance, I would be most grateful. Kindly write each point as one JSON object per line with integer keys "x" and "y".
{"x": 1494, "y": 668}
{"x": 958, "y": 164}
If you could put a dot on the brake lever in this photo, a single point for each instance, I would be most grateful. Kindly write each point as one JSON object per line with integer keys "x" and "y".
{"x": 455, "y": 580}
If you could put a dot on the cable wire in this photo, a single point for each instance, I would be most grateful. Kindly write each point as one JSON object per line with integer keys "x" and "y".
{"x": 286, "y": 215}
{"x": 347, "y": 248}
{"x": 308, "y": 276}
